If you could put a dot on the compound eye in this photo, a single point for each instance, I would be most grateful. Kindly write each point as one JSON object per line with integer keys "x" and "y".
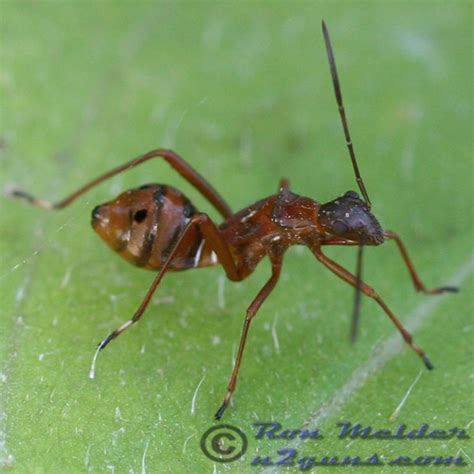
{"x": 352, "y": 195}
{"x": 339, "y": 227}
{"x": 140, "y": 215}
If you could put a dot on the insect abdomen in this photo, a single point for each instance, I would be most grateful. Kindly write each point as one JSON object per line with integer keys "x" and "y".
{"x": 143, "y": 225}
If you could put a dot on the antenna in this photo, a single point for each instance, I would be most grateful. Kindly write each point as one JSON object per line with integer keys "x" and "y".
{"x": 337, "y": 90}
{"x": 357, "y": 293}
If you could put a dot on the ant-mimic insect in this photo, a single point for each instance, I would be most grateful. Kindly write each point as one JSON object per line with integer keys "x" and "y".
{"x": 156, "y": 227}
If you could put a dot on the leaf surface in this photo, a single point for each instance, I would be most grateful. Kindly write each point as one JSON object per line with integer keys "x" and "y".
{"x": 243, "y": 92}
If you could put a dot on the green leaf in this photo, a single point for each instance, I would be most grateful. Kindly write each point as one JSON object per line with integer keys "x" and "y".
{"x": 243, "y": 92}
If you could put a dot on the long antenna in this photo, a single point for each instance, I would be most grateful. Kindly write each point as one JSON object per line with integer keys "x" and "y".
{"x": 337, "y": 90}
{"x": 357, "y": 294}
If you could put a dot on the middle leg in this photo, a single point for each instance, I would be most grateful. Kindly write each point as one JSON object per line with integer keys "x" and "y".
{"x": 251, "y": 312}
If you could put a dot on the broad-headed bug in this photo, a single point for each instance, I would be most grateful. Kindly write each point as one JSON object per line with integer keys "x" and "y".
{"x": 156, "y": 227}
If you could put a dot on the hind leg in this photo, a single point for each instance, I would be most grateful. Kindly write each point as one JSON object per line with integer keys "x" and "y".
{"x": 183, "y": 168}
{"x": 209, "y": 232}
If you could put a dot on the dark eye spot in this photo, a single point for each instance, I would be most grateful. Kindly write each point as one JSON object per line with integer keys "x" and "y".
{"x": 145, "y": 186}
{"x": 352, "y": 195}
{"x": 140, "y": 215}
{"x": 339, "y": 227}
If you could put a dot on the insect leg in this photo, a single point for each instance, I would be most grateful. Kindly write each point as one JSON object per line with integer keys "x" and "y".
{"x": 341, "y": 272}
{"x": 172, "y": 158}
{"x": 251, "y": 312}
{"x": 210, "y": 232}
{"x": 419, "y": 286}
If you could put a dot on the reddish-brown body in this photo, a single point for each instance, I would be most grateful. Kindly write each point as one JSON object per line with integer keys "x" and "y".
{"x": 255, "y": 231}
{"x": 143, "y": 225}
{"x": 249, "y": 233}
{"x": 163, "y": 213}
{"x": 156, "y": 227}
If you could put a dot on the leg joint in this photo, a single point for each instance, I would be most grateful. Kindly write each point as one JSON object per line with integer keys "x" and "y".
{"x": 372, "y": 293}
{"x": 250, "y": 314}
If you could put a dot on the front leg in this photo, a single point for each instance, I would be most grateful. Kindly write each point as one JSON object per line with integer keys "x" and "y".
{"x": 419, "y": 286}
{"x": 348, "y": 277}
